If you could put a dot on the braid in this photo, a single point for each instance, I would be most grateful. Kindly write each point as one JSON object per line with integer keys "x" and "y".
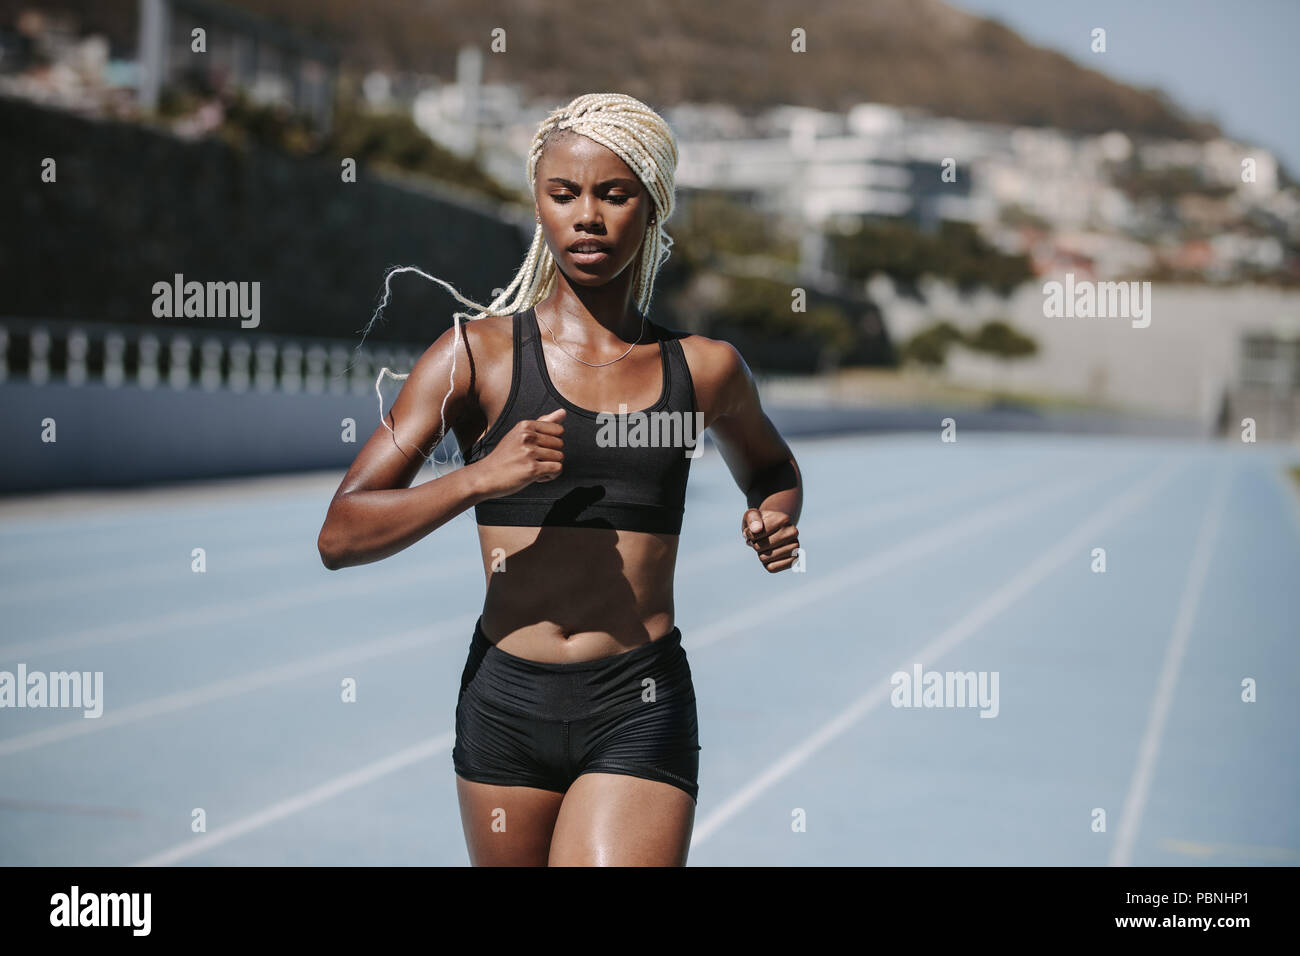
{"x": 637, "y": 135}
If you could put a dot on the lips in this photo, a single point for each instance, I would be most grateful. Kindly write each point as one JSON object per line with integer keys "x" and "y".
{"x": 588, "y": 245}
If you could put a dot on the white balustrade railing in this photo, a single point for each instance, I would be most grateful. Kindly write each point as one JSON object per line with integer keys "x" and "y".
{"x": 39, "y": 352}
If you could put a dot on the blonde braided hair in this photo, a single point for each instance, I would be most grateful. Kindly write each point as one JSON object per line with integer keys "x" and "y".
{"x": 637, "y": 135}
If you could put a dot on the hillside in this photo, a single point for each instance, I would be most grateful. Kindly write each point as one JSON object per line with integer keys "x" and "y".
{"x": 921, "y": 53}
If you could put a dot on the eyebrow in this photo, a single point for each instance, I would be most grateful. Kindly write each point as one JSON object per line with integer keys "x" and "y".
{"x": 609, "y": 182}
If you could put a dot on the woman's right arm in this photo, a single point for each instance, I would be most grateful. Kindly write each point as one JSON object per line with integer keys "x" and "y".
{"x": 375, "y": 512}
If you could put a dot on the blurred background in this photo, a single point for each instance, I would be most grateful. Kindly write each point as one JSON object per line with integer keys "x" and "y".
{"x": 823, "y": 172}
{"x": 921, "y": 173}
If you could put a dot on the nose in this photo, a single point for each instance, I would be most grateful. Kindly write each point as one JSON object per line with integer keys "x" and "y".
{"x": 589, "y": 211}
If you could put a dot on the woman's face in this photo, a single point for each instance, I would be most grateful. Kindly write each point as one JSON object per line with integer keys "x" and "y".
{"x": 586, "y": 194}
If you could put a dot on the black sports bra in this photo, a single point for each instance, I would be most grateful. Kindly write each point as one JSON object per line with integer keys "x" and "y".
{"x": 626, "y": 472}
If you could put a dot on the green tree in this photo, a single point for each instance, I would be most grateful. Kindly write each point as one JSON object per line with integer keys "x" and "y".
{"x": 954, "y": 251}
{"x": 1003, "y": 341}
{"x": 929, "y": 347}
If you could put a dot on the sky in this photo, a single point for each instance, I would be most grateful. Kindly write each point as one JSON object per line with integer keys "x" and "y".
{"x": 1233, "y": 62}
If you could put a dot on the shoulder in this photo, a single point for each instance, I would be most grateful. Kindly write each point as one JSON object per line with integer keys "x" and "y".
{"x": 486, "y": 342}
{"x": 718, "y": 371}
{"x": 489, "y": 338}
{"x": 710, "y": 360}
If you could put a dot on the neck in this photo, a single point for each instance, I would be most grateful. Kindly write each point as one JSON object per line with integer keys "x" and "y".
{"x": 590, "y": 315}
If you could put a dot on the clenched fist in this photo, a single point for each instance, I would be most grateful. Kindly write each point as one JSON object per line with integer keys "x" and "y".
{"x": 531, "y": 451}
{"x": 771, "y": 534}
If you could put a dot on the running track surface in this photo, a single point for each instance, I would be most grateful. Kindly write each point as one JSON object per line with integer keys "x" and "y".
{"x": 1118, "y": 692}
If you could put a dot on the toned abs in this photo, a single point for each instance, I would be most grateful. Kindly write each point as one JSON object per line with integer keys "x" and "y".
{"x": 569, "y": 594}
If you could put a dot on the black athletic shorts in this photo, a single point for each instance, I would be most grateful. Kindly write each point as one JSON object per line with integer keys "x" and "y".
{"x": 533, "y": 724}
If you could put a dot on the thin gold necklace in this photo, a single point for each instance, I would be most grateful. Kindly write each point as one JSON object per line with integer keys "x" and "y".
{"x": 590, "y": 364}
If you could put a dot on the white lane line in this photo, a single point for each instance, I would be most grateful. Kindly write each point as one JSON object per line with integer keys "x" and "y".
{"x": 91, "y": 582}
{"x": 293, "y": 670}
{"x": 226, "y": 609}
{"x": 278, "y": 811}
{"x": 124, "y": 507}
{"x": 339, "y": 783}
{"x": 839, "y": 525}
{"x": 243, "y": 684}
{"x": 1047, "y": 562}
{"x": 202, "y": 617}
{"x": 824, "y": 585}
{"x": 302, "y": 556}
{"x": 104, "y": 569}
{"x": 1149, "y": 750}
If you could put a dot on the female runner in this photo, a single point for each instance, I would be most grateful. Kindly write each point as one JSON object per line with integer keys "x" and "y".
{"x": 576, "y": 736}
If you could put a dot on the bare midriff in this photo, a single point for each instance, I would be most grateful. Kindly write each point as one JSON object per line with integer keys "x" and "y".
{"x": 576, "y": 594}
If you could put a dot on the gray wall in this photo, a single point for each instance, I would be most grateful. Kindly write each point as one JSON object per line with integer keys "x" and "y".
{"x": 131, "y": 435}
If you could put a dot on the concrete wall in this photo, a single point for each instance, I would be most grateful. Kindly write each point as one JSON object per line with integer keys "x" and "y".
{"x": 112, "y": 437}
{"x": 1182, "y": 364}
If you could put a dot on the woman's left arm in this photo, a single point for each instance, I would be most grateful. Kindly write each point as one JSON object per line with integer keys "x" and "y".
{"x": 759, "y": 459}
